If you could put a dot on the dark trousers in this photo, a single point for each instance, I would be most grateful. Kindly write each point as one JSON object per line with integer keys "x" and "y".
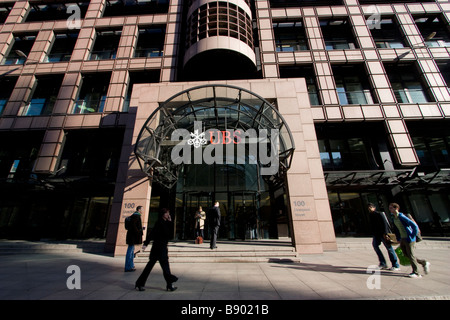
{"x": 157, "y": 254}
{"x": 215, "y": 231}
{"x": 199, "y": 233}
{"x": 409, "y": 249}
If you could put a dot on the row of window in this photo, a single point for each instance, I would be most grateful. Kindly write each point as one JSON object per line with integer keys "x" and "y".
{"x": 337, "y": 34}
{"x": 91, "y": 95}
{"x": 62, "y": 10}
{"x": 150, "y": 43}
{"x": 353, "y": 86}
{"x": 359, "y": 146}
{"x": 341, "y": 146}
{"x": 351, "y": 81}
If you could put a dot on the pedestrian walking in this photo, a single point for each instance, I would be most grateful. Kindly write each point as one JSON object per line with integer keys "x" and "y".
{"x": 407, "y": 230}
{"x": 214, "y": 222}
{"x": 133, "y": 224}
{"x": 160, "y": 234}
{"x": 380, "y": 230}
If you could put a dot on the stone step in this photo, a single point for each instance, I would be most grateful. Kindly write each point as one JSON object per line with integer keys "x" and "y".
{"x": 228, "y": 251}
{"x": 8, "y": 247}
{"x": 366, "y": 243}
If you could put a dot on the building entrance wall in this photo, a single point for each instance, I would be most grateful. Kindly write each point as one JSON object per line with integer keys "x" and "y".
{"x": 307, "y": 208}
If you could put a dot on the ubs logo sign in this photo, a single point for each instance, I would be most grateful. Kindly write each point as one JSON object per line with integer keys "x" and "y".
{"x": 260, "y": 147}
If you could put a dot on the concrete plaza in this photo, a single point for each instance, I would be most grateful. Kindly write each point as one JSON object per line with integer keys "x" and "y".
{"x": 343, "y": 274}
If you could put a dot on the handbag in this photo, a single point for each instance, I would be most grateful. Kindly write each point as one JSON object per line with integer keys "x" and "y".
{"x": 198, "y": 240}
{"x": 402, "y": 258}
{"x": 392, "y": 238}
{"x": 418, "y": 237}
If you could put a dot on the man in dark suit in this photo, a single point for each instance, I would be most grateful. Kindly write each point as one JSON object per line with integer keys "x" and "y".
{"x": 214, "y": 223}
{"x": 380, "y": 228}
{"x": 134, "y": 237}
{"x": 160, "y": 234}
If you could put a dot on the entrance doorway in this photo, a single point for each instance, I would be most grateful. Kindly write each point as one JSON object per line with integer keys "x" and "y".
{"x": 239, "y": 210}
{"x": 238, "y": 191}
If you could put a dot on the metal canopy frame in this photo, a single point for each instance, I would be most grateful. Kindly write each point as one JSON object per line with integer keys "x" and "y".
{"x": 222, "y": 107}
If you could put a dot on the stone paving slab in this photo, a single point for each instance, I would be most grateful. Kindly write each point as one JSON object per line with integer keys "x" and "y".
{"x": 341, "y": 274}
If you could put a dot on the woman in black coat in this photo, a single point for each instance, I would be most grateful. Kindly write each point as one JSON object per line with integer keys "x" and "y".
{"x": 160, "y": 234}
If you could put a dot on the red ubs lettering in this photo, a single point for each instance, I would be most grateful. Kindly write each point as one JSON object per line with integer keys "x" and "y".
{"x": 225, "y": 137}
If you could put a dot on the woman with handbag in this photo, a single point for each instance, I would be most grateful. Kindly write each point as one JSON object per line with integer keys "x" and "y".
{"x": 200, "y": 217}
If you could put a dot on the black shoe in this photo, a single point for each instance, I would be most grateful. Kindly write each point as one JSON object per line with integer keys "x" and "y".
{"x": 139, "y": 288}
{"x": 131, "y": 270}
{"x": 171, "y": 288}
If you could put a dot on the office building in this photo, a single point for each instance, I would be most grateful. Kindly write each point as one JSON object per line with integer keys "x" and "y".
{"x": 292, "y": 114}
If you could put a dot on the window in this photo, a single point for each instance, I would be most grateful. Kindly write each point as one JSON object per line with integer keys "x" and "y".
{"x": 150, "y": 42}
{"x": 350, "y": 147}
{"x": 307, "y": 72}
{"x": 92, "y": 153}
{"x": 106, "y": 44}
{"x": 388, "y": 35}
{"x": 5, "y": 9}
{"x": 135, "y": 7}
{"x": 7, "y": 86}
{"x": 406, "y": 83}
{"x": 62, "y": 47}
{"x": 20, "y": 49}
{"x": 344, "y": 154}
{"x": 93, "y": 92}
{"x": 62, "y": 10}
{"x": 337, "y": 34}
{"x": 43, "y": 96}
{"x": 390, "y": 1}
{"x": 290, "y": 36}
{"x": 18, "y": 152}
{"x": 304, "y": 3}
{"x": 434, "y": 31}
{"x": 352, "y": 85}
{"x": 444, "y": 68}
{"x": 432, "y": 144}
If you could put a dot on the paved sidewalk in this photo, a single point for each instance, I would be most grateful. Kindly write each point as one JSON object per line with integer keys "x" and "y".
{"x": 332, "y": 275}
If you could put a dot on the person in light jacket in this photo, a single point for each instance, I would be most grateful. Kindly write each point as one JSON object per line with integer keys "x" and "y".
{"x": 407, "y": 230}
{"x": 200, "y": 217}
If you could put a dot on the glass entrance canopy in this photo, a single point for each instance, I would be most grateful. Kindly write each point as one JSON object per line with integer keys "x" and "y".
{"x": 205, "y": 114}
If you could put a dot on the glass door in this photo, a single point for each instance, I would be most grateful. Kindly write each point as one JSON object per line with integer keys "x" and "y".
{"x": 245, "y": 215}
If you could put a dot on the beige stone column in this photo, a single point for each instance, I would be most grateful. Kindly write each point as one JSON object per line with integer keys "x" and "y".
{"x": 312, "y": 224}
{"x": 132, "y": 185}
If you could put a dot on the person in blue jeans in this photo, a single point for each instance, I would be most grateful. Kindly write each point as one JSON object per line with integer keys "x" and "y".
{"x": 380, "y": 228}
{"x": 134, "y": 237}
